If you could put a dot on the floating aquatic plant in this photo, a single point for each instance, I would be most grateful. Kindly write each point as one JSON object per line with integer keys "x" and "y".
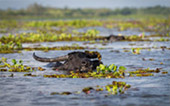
{"x": 117, "y": 87}
{"x": 13, "y": 47}
{"x": 17, "y": 66}
{"x": 10, "y": 47}
{"x": 60, "y": 23}
{"x": 136, "y": 50}
{"x": 111, "y": 69}
{"x": 162, "y": 39}
{"x": 44, "y": 37}
{"x": 103, "y": 71}
{"x": 143, "y": 72}
{"x": 91, "y": 33}
{"x": 46, "y": 49}
{"x": 112, "y": 89}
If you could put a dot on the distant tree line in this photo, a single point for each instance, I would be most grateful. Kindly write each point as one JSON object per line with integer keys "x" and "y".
{"x": 36, "y": 10}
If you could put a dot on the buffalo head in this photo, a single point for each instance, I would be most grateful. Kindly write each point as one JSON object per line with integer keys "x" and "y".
{"x": 75, "y": 61}
{"x": 112, "y": 38}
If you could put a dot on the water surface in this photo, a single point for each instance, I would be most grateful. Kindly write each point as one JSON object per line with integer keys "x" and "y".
{"x": 35, "y": 91}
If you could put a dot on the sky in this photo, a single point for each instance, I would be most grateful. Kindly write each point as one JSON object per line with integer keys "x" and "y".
{"x": 112, "y": 4}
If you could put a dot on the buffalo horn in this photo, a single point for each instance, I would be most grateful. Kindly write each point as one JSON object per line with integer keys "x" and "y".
{"x": 61, "y": 58}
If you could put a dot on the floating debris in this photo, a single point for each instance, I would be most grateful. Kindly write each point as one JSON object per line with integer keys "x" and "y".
{"x": 63, "y": 93}
{"x": 164, "y": 72}
{"x": 29, "y": 74}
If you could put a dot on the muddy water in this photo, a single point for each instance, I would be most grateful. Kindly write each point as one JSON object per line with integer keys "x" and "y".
{"x": 145, "y": 91}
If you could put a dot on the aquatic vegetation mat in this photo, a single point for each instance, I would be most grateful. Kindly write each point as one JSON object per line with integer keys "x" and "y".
{"x": 44, "y": 32}
{"x": 102, "y": 71}
{"x": 116, "y": 88}
{"x": 48, "y": 37}
{"x": 16, "y": 66}
{"x": 111, "y": 71}
{"x": 150, "y": 38}
{"x": 12, "y": 47}
{"x": 143, "y": 72}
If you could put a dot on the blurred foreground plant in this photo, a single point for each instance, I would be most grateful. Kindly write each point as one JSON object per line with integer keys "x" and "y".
{"x": 17, "y": 66}
{"x": 10, "y": 47}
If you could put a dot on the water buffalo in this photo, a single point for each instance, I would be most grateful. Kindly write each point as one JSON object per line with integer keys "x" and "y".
{"x": 74, "y": 61}
{"x": 115, "y": 38}
{"x": 112, "y": 38}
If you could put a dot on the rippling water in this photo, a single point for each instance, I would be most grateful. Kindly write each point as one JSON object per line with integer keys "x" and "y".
{"x": 35, "y": 91}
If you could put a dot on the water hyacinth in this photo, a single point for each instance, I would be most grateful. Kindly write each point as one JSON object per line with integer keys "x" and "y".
{"x": 111, "y": 71}
{"x": 13, "y": 44}
{"x": 117, "y": 71}
{"x": 91, "y": 33}
{"x": 153, "y": 24}
{"x": 13, "y": 48}
{"x": 116, "y": 88}
{"x": 48, "y": 37}
{"x": 10, "y": 47}
{"x": 60, "y": 23}
{"x": 17, "y": 66}
{"x": 103, "y": 71}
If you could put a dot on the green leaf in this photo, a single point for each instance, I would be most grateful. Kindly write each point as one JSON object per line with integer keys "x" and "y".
{"x": 121, "y": 89}
{"x": 108, "y": 88}
{"x": 115, "y": 88}
{"x": 14, "y": 61}
{"x": 111, "y": 66}
{"x": 20, "y": 61}
{"x": 122, "y": 68}
{"x": 98, "y": 69}
{"x": 4, "y": 59}
{"x": 108, "y": 70}
{"x": 116, "y": 74}
{"x": 115, "y": 68}
{"x": 102, "y": 67}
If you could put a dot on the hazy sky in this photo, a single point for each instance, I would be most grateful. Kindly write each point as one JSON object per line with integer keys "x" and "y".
{"x": 17, "y": 4}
